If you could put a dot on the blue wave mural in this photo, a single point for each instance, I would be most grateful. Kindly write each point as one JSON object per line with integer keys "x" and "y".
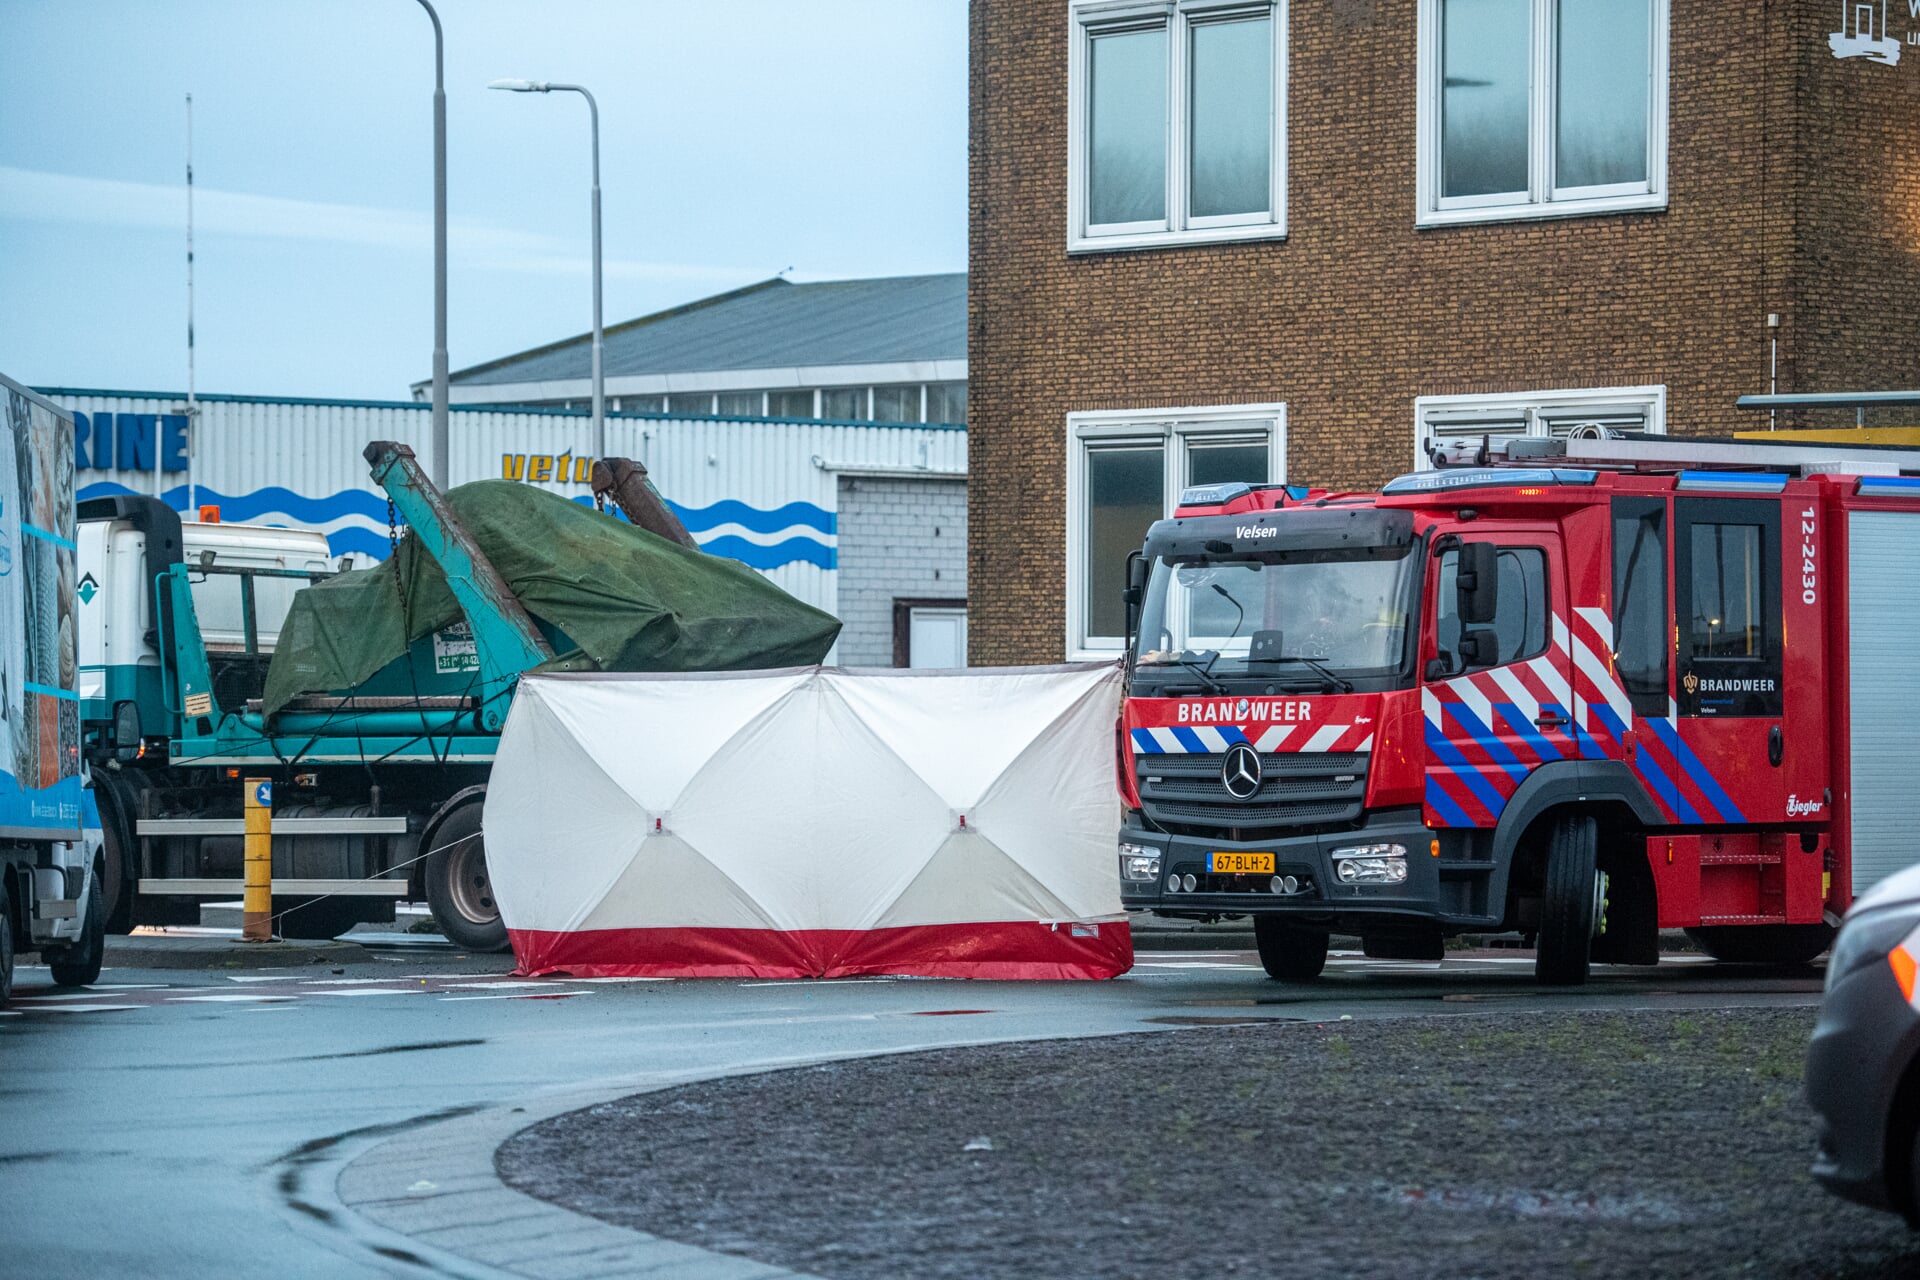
{"x": 756, "y": 556}
{"x": 243, "y": 507}
{"x": 349, "y": 504}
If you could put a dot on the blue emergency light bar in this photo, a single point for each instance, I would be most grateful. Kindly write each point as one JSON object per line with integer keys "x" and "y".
{"x": 1214, "y": 495}
{"x": 1731, "y": 481}
{"x": 1218, "y": 495}
{"x": 1486, "y": 478}
{"x": 1889, "y": 487}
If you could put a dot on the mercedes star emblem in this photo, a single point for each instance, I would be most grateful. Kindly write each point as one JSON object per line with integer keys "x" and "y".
{"x": 1240, "y": 772}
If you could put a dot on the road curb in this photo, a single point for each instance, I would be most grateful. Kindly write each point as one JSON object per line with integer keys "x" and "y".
{"x": 142, "y": 951}
{"x": 437, "y": 1187}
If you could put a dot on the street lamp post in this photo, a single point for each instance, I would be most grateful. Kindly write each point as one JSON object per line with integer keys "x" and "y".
{"x": 593, "y": 114}
{"x": 441, "y": 446}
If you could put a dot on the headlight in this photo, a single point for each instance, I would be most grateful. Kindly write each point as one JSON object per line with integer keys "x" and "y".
{"x": 1370, "y": 864}
{"x": 1869, "y": 938}
{"x": 1139, "y": 863}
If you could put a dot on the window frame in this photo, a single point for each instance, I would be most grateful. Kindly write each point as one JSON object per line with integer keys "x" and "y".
{"x": 1690, "y": 512}
{"x": 1542, "y": 199}
{"x": 1181, "y": 429}
{"x": 1444, "y": 600}
{"x": 1646, "y": 701}
{"x": 1532, "y": 411}
{"x": 1087, "y": 19}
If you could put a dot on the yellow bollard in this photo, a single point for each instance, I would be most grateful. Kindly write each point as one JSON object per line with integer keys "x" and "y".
{"x": 256, "y": 923}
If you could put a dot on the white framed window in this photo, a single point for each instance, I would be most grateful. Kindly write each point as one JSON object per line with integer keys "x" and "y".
{"x": 1541, "y": 109}
{"x": 1176, "y": 122}
{"x": 1126, "y": 469}
{"x": 1535, "y": 413}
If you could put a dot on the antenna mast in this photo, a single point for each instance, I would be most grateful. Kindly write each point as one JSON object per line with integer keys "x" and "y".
{"x": 193, "y": 407}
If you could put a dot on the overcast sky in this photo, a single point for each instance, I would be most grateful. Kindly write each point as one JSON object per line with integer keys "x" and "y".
{"x": 738, "y": 138}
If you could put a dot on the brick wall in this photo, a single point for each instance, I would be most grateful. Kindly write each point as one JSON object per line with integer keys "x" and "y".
{"x": 1790, "y": 188}
{"x": 900, "y": 538}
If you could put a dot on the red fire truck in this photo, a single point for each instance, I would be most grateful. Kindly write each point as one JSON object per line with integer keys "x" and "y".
{"x": 1584, "y": 689}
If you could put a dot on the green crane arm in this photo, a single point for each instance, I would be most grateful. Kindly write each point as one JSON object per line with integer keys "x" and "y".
{"x": 505, "y": 636}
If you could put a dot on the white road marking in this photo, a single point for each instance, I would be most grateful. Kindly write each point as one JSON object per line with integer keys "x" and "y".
{"x": 372, "y": 991}
{"x": 494, "y": 986}
{"x": 79, "y": 1008}
{"x": 232, "y": 997}
{"x": 813, "y": 982}
{"x": 622, "y": 979}
{"x": 269, "y": 977}
{"x": 1193, "y": 964}
{"x": 520, "y": 995}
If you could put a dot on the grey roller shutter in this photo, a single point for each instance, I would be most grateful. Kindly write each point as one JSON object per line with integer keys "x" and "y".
{"x": 1883, "y": 566}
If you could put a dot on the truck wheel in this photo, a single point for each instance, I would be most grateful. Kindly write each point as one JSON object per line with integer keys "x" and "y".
{"x": 1288, "y": 952}
{"x": 116, "y": 883}
{"x": 1782, "y": 944}
{"x": 78, "y": 963}
{"x": 458, "y": 889}
{"x": 6, "y": 947}
{"x": 1570, "y": 907}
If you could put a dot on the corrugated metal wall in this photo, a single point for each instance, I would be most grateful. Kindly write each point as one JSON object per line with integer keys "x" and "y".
{"x": 763, "y": 491}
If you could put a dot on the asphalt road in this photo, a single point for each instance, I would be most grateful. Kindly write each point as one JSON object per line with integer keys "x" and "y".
{"x": 164, "y": 1123}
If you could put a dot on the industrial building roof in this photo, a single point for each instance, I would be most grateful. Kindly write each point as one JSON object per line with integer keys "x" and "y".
{"x": 773, "y": 324}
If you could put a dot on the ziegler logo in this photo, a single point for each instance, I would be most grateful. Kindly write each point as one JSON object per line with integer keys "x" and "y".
{"x": 1255, "y": 531}
{"x": 1809, "y": 574}
{"x": 1798, "y": 808}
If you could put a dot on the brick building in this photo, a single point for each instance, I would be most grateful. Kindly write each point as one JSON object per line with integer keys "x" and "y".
{"x": 1292, "y": 241}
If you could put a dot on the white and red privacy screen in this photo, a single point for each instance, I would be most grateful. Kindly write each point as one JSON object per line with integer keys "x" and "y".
{"x": 814, "y": 821}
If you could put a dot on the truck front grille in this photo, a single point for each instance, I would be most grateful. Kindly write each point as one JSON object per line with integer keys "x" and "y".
{"x": 1298, "y": 789}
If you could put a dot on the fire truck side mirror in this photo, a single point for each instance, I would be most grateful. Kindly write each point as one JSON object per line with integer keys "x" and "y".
{"x": 1478, "y": 582}
{"x": 1479, "y": 647}
{"x": 1135, "y": 592}
{"x": 1136, "y": 579}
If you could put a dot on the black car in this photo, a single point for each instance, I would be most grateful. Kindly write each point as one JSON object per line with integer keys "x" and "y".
{"x": 1863, "y": 1068}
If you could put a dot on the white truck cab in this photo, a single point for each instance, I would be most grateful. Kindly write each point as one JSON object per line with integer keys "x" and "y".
{"x": 119, "y": 644}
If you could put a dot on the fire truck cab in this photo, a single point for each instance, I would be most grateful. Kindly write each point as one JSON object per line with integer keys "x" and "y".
{"x": 1583, "y": 689}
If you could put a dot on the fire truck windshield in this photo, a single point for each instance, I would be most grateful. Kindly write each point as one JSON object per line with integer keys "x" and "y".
{"x": 1305, "y": 620}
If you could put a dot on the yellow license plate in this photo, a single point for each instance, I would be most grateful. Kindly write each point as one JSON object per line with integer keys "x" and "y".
{"x": 1243, "y": 864}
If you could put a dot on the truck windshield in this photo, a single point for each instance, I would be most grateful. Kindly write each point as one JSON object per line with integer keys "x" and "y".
{"x": 1296, "y": 620}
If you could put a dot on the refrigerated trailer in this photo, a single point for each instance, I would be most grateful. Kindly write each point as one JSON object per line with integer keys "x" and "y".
{"x": 50, "y": 867}
{"x": 1585, "y": 689}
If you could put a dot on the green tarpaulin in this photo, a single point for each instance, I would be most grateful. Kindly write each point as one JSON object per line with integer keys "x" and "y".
{"x": 630, "y": 600}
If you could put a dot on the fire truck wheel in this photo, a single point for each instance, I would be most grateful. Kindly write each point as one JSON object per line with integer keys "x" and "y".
{"x": 1784, "y": 944}
{"x": 1569, "y": 903}
{"x": 1288, "y": 952}
{"x": 6, "y": 947}
{"x": 458, "y": 889}
{"x": 78, "y": 963}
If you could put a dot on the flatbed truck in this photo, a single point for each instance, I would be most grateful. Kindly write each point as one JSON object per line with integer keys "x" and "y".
{"x": 378, "y": 789}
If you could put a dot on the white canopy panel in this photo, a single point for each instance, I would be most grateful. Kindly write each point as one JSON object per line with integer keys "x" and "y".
{"x": 814, "y": 821}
